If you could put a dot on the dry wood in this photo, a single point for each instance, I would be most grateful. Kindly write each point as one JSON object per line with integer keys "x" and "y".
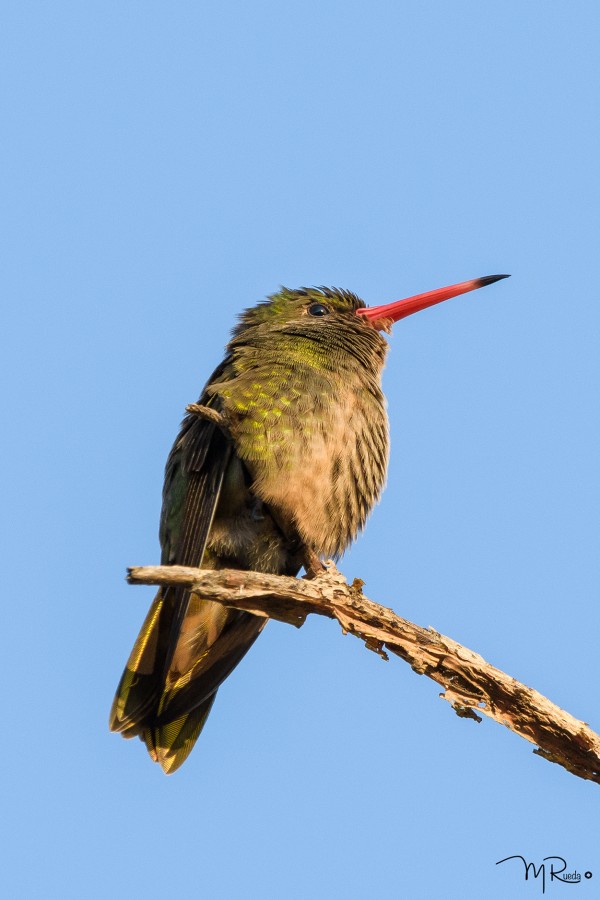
{"x": 205, "y": 412}
{"x": 470, "y": 684}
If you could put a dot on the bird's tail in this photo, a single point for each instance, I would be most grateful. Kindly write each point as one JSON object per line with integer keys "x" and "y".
{"x": 171, "y": 744}
{"x": 168, "y": 710}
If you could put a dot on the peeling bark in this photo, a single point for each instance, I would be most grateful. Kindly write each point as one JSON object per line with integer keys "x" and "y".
{"x": 471, "y": 685}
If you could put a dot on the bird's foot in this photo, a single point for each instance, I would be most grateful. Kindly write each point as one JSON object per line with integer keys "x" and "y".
{"x": 331, "y": 573}
{"x": 312, "y": 564}
{"x": 317, "y": 568}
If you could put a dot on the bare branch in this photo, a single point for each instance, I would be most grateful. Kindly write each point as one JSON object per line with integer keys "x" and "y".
{"x": 205, "y": 412}
{"x": 471, "y": 685}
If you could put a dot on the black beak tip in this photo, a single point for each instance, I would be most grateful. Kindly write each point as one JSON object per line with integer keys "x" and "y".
{"x": 490, "y": 279}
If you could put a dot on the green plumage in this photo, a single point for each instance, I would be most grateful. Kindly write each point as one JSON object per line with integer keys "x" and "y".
{"x": 297, "y": 471}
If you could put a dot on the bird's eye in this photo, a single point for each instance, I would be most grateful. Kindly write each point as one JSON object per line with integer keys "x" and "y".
{"x": 317, "y": 309}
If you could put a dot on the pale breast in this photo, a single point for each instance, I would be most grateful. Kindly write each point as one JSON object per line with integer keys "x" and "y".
{"x": 325, "y": 468}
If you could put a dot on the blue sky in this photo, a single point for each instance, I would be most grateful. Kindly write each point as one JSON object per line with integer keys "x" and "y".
{"x": 164, "y": 166}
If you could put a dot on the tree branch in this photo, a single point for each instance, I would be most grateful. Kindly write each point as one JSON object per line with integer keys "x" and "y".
{"x": 205, "y": 412}
{"x": 471, "y": 685}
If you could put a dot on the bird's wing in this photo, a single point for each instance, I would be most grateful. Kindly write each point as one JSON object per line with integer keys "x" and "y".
{"x": 193, "y": 480}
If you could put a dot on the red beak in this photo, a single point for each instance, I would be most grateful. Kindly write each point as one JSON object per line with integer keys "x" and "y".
{"x": 381, "y": 316}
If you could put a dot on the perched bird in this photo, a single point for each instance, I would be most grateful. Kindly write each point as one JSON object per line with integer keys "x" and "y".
{"x": 284, "y": 472}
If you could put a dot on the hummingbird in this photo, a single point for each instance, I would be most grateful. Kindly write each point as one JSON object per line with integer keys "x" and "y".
{"x": 280, "y": 472}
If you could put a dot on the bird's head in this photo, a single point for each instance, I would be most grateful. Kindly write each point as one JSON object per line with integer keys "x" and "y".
{"x": 309, "y": 310}
{"x": 329, "y": 326}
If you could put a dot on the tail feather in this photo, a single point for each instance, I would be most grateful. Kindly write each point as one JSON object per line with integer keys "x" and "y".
{"x": 169, "y": 709}
{"x": 171, "y": 744}
{"x": 138, "y": 689}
